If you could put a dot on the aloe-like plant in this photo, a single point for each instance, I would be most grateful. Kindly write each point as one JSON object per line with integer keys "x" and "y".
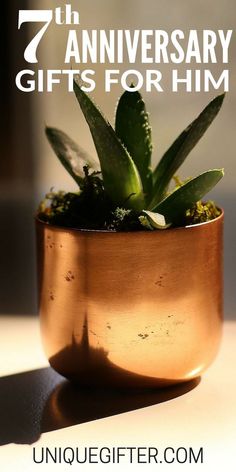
{"x": 123, "y": 178}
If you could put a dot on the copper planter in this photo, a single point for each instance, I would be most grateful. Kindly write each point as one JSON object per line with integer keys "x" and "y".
{"x": 130, "y": 309}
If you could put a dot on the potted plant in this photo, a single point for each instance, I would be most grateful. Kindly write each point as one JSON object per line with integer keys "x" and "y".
{"x": 130, "y": 272}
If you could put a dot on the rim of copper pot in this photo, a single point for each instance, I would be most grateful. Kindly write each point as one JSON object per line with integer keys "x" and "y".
{"x": 105, "y": 231}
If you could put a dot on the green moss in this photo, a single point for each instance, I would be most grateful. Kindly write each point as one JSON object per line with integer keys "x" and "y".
{"x": 88, "y": 208}
{"x": 122, "y": 219}
{"x": 76, "y": 210}
{"x": 91, "y": 208}
{"x": 202, "y": 212}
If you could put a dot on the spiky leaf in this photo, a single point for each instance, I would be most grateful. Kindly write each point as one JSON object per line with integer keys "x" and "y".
{"x": 121, "y": 178}
{"x": 133, "y": 128}
{"x": 176, "y": 154}
{"x": 72, "y": 156}
{"x": 175, "y": 205}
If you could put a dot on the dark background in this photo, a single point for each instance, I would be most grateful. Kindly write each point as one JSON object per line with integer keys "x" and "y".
{"x": 17, "y": 183}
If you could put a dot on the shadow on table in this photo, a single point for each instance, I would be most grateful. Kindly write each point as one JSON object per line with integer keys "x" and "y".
{"x": 38, "y": 401}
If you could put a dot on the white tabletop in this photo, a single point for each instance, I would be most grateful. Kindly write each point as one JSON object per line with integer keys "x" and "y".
{"x": 38, "y": 411}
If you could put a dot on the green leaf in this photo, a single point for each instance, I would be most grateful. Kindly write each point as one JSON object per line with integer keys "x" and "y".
{"x": 176, "y": 154}
{"x": 156, "y": 220}
{"x": 175, "y": 205}
{"x": 121, "y": 178}
{"x": 133, "y": 128}
{"x": 72, "y": 156}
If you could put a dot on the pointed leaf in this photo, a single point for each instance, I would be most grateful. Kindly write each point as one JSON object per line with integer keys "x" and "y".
{"x": 133, "y": 128}
{"x": 182, "y": 199}
{"x": 72, "y": 156}
{"x": 121, "y": 178}
{"x": 176, "y": 154}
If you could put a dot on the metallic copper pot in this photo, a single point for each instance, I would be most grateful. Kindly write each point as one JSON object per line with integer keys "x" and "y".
{"x": 130, "y": 308}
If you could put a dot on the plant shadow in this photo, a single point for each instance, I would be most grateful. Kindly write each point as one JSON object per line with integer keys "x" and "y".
{"x": 89, "y": 366}
{"x": 69, "y": 404}
{"x": 39, "y": 401}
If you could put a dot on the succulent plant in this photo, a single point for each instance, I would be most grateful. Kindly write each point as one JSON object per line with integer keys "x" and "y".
{"x": 128, "y": 179}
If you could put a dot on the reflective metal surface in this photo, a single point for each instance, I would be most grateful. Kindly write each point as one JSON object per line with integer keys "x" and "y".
{"x": 130, "y": 309}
